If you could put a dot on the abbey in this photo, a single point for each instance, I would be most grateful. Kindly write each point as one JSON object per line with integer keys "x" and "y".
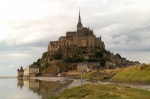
{"x": 83, "y": 37}
{"x": 78, "y": 48}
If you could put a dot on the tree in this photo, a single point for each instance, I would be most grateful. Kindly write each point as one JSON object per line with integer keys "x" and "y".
{"x": 44, "y": 54}
{"x": 38, "y": 60}
{"x": 36, "y": 63}
{"x": 47, "y": 65}
{"x": 78, "y": 59}
{"x": 57, "y": 55}
{"x": 68, "y": 59}
{"x": 102, "y": 62}
{"x": 74, "y": 59}
{"x": 92, "y": 60}
{"x": 98, "y": 54}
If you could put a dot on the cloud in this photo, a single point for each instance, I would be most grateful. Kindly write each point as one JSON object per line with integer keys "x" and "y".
{"x": 12, "y": 59}
{"x": 27, "y": 26}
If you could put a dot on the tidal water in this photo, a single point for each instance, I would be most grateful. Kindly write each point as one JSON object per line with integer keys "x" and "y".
{"x": 13, "y": 88}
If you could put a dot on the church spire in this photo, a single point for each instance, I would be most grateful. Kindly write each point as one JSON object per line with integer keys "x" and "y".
{"x": 79, "y": 16}
{"x": 79, "y": 25}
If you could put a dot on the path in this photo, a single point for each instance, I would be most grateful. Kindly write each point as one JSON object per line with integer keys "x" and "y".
{"x": 77, "y": 82}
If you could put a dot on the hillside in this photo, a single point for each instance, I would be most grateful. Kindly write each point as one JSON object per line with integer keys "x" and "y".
{"x": 98, "y": 91}
{"x": 134, "y": 74}
{"x": 78, "y": 46}
{"x": 63, "y": 64}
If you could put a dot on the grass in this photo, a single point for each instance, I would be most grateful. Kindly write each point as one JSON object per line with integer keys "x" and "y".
{"x": 98, "y": 91}
{"x": 88, "y": 75}
{"x": 133, "y": 74}
{"x": 100, "y": 75}
{"x": 138, "y": 74}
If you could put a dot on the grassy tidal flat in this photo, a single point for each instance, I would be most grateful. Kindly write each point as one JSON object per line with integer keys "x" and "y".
{"x": 134, "y": 74}
{"x": 100, "y": 91}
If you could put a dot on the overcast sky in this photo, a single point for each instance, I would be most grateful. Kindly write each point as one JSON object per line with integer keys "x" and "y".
{"x": 27, "y": 26}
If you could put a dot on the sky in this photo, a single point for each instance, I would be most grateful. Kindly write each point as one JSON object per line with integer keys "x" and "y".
{"x": 27, "y": 27}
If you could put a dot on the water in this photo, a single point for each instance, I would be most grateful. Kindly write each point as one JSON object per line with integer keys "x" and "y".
{"x": 13, "y": 88}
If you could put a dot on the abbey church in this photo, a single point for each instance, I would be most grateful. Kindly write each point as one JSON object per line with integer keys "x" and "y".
{"x": 82, "y": 38}
{"x": 70, "y": 51}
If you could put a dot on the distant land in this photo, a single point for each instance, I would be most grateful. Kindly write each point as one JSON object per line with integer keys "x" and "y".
{"x": 1, "y": 77}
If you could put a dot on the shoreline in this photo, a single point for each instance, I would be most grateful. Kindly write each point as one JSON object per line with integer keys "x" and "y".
{"x": 77, "y": 82}
{"x": 49, "y": 78}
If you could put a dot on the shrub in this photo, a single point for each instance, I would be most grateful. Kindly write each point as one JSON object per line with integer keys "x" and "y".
{"x": 92, "y": 60}
{"x": 74, "y": 59}
{"x": 102, "y": 62}
{"x": 143, "y": 67}
{"x": 44, "y": 55}
{"x": 98, "y": 54}
{"x": 57, "y": 55}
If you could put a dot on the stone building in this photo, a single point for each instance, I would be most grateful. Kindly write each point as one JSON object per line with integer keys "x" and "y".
{"x": 109, "y": 64}
{"x": 31, "y": 71}
{"x": 20, "y": 72}
{"x": 88, "y": 66}
{"x": 83, "y": 37}
{"x": 123, "y": 60}
{"x": 112, "y": 57}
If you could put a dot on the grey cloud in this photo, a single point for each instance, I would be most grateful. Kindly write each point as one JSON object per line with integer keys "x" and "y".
{"x": 123, "y": 25}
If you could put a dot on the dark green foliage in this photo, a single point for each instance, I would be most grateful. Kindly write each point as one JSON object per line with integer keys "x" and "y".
{"x": 107, "y": 58}
{"x": 92, "y": 60}
{"x": 102, "y": 62}
{"x": 77, "y": 59}
{"x": 105, "y": 51}
{"x": 97, "y": 47}
{"x": 98, "y": 54}
{"x": 93, "y": 51}
{"x": 47, "y": 65}
{"x": 108, "y": 52}
{"x": 36, "y": 63}
{"x": 84, "y": 52}
{"x": 38, "y": 60}
{"x": 68, "y": 59}
{"x": 44, "y": 54}
{"x": 58, "y": 55}
{"x": 74, "y": 59}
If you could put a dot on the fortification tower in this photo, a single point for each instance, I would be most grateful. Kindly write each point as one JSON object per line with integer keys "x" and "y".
{"x": 20, "y": 72}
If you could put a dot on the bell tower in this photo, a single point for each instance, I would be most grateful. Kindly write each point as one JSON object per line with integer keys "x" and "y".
{"x": 79, "y": 25}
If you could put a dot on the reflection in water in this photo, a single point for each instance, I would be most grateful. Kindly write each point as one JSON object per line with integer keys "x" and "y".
{"x": 20, "y": 83}
{"x": 43, "y": 89}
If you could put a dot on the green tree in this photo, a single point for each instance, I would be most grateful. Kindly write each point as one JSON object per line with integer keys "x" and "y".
{"x": 74, "y": 59}
{"x": 36, "y": 63}
{"x": 102, "y": 62}
{"x": 92, "y": 60}
{"x": 57, "y": 55}
{"x": 47, "y": 65}
{"x": 77, "y": 59}
{"x": 38, "y": 60}
{"x": 44, "y": 54}
{"x": 98, "y": 54}
{"x": 68, "y": 59}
